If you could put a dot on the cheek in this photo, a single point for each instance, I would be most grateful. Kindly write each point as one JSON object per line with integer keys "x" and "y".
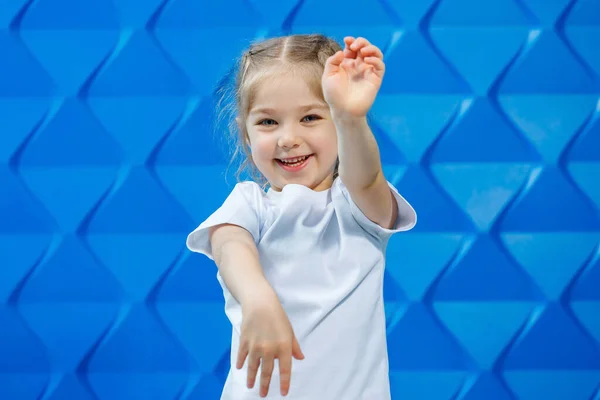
{"x": 328, "y": 145}
{"x": 262, "y": 148}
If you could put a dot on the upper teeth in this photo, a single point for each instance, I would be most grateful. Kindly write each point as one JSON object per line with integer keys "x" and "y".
{"x": 294, "y": 160}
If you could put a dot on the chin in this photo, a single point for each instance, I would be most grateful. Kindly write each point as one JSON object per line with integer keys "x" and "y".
{"x": 280, "y": 183}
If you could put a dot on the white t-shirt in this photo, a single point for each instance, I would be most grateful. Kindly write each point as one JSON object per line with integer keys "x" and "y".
{"x": 325, "y": 259}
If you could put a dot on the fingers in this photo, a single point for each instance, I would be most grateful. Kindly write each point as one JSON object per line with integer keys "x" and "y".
{"x": 242, "y": 354}
{"x": 348, "y": 40}
{"x": 371, "y": 51}
{"x": 360, "y": 46}
{"x": 265, "y": 358}
{"x": 296, "y": 351}
{"x": 285, "y": 365}
{"x": 362, "y": 50}
{"x": 377, "y": 64}
{"x": 253, "y": 363}
{"x": 285, "y": 372}
{"x": 260, "y": 355}
{"x": 332, "y": 65}
{"x": 265, "y": 376}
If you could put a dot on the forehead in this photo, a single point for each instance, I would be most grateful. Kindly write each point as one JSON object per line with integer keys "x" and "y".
{"x": 285, "y": 91}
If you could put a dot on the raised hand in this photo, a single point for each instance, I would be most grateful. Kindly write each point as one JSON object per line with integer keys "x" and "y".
{"x": 266, "y": 335}
{"x": 352, "y": 77}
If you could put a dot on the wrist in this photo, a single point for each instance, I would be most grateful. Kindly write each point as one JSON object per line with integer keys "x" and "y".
{"x": 343, "y": 120}
{"x": 260, "y": 297}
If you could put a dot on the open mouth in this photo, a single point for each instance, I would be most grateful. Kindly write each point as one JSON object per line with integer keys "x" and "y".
{"x": 293, "y": 164}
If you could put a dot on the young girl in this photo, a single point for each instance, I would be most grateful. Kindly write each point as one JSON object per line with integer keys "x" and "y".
{"x": 301, "y": 263}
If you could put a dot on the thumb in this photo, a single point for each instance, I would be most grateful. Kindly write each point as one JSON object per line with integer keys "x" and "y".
{"x": 332, "y": 65}
{"x": 296, "y": 351}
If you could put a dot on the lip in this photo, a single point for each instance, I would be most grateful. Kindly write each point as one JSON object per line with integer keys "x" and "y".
{"x": 294, "y": 168}
{"x": 291, "y": 158}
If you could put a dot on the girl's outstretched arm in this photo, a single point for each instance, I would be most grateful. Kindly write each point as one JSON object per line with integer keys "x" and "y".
{"x": 361, "y": 171}
{"x": 266, "y": 332}
{"x": 351, "y": 81}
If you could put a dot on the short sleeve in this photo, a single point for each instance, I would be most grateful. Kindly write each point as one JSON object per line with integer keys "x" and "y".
{"x": 406, "y": 220}
{"x": 240, "y": 208}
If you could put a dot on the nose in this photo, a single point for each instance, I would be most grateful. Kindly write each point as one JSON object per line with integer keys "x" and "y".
{"x": 288, "y": 140}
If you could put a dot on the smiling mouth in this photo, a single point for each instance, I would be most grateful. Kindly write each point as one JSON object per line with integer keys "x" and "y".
{"x": 293, "y": 164}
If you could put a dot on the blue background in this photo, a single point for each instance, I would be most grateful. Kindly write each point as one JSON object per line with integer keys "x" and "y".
{"x": 488, "y": 122}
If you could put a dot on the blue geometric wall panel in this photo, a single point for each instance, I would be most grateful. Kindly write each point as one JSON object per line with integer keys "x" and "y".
{"x": 489, "y": 123}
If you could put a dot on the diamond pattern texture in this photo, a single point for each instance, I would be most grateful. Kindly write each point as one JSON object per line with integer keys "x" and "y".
{"x": 489, "y": 123}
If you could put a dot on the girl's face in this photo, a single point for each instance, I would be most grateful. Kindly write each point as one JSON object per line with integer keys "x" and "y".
{"x": 292, "y": 136}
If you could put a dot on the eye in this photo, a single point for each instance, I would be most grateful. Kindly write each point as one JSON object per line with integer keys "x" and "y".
{"x": 311, "y": 118}
{"x": 266, "y": 122}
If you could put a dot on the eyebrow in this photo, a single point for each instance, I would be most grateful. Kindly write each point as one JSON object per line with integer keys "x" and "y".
{"x": 266, "y": 110}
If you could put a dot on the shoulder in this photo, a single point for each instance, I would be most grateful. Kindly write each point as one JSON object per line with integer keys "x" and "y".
{"x": 244, "y": 201}
{"x": 248, "y": 190}
{"x": 242, "y": 207}
{"x": 247, "y": 186}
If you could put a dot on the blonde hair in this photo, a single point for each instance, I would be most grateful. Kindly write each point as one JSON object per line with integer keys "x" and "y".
{"x": 303, "y": 54}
